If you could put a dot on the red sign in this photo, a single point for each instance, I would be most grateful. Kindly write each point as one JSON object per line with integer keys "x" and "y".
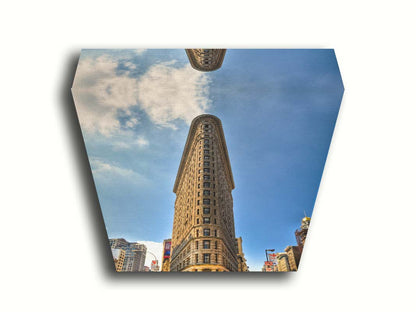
{"x": 166, "y": 250}
{"x": 273, "y": 258}
{"x": 268, "y": 263}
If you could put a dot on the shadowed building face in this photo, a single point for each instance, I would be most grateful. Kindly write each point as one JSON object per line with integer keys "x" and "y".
{"x": 203, "y": 236}
{"x": 206, "y": 59}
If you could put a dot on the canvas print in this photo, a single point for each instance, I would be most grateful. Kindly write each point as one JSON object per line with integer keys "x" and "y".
{"x": 207, "y": 160}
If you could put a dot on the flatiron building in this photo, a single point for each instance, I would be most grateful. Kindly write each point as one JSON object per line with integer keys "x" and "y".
{"x": 203, "y": 236}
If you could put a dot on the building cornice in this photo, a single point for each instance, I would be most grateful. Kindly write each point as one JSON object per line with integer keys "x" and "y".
{"x": 188, "y": 146}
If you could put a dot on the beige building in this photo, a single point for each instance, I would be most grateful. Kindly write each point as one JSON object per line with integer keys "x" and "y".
{"x": 206, "y": 59}
{"x": 135, "y": 254}
{"x": 283, "y": 262}
{"x": 203, "y": 236}
{"x": 293, "y": 255}
{"x": 118, "y": 257}
{"x": 242, "y": 262}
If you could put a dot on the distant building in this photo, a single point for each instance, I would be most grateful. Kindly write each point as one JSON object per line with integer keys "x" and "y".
{"x": 283, "y": 262}
{"x": 242, "y": 262}
{"x": 302, "y": 232}
{"x": 135, "y": 254}
{"x": 146, "y": 269}
{"x": 293, "y": 255}
{"x": 118, "y": 257}
{"x": 206, "y": 59}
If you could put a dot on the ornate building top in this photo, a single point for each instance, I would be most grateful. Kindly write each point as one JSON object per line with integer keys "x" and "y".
{"x": 206, "y": 59}
{"x": 193, "y": 128}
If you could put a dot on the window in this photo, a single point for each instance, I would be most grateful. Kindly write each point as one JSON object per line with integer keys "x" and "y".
{"x": 206, "y": 184}
{"x": 216, "y": 258}
{"x": 197, "y": 211}
{"x": 206, "y": 170}
{"x": 196, "y": 258}
{"x": 197, "y": 221}
{"x": 215, "y": 233}
{"x": 215, "y": 221}
{"x": 206, "y": 141}
{"x": 206, "y": 192}
{"x": 206, "y": 145}
{"x": 206, "y": 244}
{"x": 215, "y": 202}
{"x": 206, "y": 201}
{"x": 206, "y": 163}
{"x": 197, "y": 233}
{"x": 206, "y": 177}
{"x": 199, "y": 194}
{"x": 207, "y": 232}
{"x": 215, "y": 212}
{"x": 199, "y": 185}
{"x": 199, "y": 170}
{"x": 197, "y": 202}
{"x": 196, "y": 245}
{"x": 206, "y": 210}
{"x": 207, "y": 258}
{"x": 206, "y": 220}
{"x": 206, "y": 152}
{"x": 216, "y": 245}
{"x": 206, "y": 157}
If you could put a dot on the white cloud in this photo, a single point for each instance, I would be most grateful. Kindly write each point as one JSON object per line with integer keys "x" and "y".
{"x": 155, "y": 248}
{"x": 100, "y": 93}
{"x": 140, "y": 51}
{"x": 102, "y": 168}
{"x": 167, "y": 93}
{"x": 142, "y": 142}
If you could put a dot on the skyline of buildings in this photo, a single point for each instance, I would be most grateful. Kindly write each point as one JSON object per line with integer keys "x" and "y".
{"x": 289, "y": 259}
{"x": 134, "y": 254}
{"x": 135, "y": 108}
{"x": 203, "y": 234}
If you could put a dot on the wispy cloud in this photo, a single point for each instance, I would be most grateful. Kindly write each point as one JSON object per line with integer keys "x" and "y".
{"x": 100, "y": 95}
{"x": 167, "y": 93}
{"x": 113, "y": 174}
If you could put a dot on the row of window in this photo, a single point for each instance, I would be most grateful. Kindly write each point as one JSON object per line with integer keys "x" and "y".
{"x": 206, "y": 201}
{"x": 206, "y": 170}
{"x": 206, "y": 258}
{"x": 206, "y": 244}
{"x": 206, "y": 184}
{"x": 205, "y": 210}
{"x": 206, "y": 232}
{"x": 205, "y": 192}
{"x": 206, "y": 220}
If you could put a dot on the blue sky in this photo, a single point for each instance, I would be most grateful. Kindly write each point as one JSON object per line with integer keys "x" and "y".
{"x": 278, "y": 109}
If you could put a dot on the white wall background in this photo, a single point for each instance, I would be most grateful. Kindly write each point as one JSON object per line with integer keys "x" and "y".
{"x": 361, "y": 249}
